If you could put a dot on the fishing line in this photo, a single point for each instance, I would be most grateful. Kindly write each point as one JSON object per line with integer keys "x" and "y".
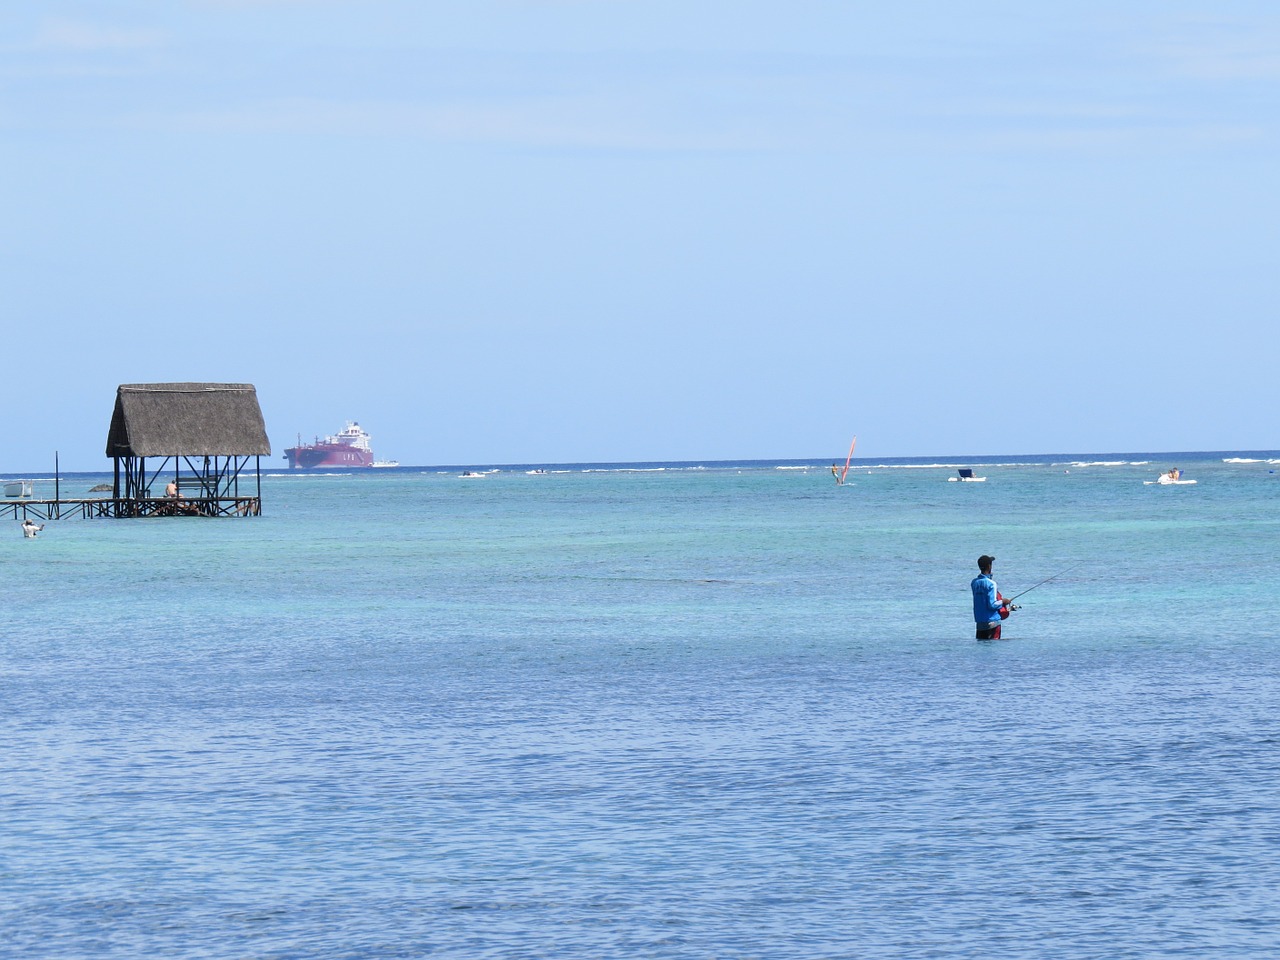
{"x": 1044, "y": 581}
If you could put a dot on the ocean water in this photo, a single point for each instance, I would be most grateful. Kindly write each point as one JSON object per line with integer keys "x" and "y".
{"x": 695, "y": 710}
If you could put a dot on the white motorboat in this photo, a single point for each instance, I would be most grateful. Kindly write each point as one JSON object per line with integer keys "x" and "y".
{"x": 1170, "y": 479}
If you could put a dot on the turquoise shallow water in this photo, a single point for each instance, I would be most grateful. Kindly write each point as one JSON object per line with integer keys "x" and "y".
{"x": 734, "y": 711}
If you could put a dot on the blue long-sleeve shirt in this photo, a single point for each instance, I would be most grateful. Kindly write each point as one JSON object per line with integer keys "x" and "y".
{"x": 986, "y": 608}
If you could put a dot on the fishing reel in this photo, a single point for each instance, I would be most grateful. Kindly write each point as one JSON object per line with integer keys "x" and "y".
{"x": 1006, "y": 607}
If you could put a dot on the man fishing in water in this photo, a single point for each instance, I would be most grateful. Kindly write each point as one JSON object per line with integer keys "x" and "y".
{"x": 989, "y": 608}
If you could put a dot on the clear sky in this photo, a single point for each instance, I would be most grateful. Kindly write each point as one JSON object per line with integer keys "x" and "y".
{"x": 609, "y": 230}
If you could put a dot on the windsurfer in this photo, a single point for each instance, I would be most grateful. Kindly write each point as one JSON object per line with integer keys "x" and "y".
{"x": 989, "y": 607}
{"x": 840, "y": 475}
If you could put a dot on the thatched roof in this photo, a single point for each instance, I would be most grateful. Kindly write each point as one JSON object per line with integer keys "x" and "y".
{"x": 187, "y": 419}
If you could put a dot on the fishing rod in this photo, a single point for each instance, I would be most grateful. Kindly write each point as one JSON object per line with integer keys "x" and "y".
{"x": 1044, "y": 581}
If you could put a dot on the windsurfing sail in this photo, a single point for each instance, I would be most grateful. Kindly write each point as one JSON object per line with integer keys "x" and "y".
{"x": 845, "y": 472}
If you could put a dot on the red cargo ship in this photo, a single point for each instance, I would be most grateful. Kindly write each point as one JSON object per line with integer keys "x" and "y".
{"x": 348, "y": 448}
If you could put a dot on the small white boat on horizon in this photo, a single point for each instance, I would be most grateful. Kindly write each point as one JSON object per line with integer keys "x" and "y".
{"x": 966, "y": 476}
{"x": 18, "y": 488}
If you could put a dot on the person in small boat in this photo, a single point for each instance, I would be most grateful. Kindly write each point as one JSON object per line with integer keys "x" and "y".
{"x": 989, "y": 607}
{"x": 30, "y": 528}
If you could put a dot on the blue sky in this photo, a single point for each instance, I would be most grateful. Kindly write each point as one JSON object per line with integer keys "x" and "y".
{"x": 605, "y": 230}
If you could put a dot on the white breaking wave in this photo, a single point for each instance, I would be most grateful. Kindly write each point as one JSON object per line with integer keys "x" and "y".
{"x": 625, "y": 470}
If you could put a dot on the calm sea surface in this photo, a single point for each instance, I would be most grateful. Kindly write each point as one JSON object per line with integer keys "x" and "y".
{"x": 720, "y": 711}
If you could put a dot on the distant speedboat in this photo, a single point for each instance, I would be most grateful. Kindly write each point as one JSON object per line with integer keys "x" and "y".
{"x": 471, "y": 475}
{"x": 1169, "y": 479}
{"x": 966, "y": 475}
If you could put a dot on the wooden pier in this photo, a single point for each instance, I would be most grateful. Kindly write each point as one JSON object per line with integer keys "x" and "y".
{"x": 204, "y": 443}
{"x": 87, "y": 508}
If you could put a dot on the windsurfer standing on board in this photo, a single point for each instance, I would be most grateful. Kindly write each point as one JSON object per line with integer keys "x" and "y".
{"x": 989, "y": 608}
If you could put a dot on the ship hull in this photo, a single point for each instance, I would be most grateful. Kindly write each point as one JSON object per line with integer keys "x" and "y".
{"x": 327, "y": 455}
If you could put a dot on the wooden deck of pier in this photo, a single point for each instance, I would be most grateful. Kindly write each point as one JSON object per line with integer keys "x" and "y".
{"x": 87, "y": 508}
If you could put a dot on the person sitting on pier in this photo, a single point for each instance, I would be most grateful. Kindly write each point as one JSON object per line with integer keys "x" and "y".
{"x": 30, "y": 528}
{"x": 171, "y": 492}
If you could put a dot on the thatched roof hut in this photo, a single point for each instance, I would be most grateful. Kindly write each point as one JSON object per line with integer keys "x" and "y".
{"x": 187, "y": 420}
